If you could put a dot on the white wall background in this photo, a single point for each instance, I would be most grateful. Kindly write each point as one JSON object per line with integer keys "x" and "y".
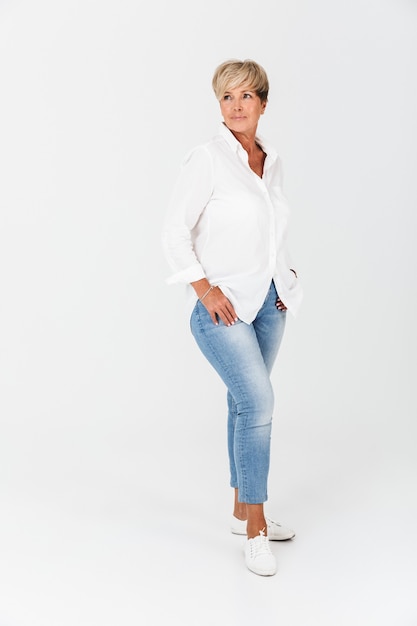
{"x": 107, "y": 407}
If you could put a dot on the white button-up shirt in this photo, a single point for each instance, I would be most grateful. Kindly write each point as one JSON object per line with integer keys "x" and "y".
{"x": 228, "y": 225}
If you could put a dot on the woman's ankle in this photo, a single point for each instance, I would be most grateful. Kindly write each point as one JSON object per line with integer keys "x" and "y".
{"x": 240, "y": 512}
{"x": 256, "y": 520}
{"x": 254, "y": 530}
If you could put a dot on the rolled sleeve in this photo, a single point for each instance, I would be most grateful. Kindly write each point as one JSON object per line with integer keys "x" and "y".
{"x": 188, "y": 200}
{"x": 189, "y": 275}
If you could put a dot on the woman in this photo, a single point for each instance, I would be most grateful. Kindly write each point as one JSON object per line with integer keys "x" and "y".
{"x": 224, "y": 236}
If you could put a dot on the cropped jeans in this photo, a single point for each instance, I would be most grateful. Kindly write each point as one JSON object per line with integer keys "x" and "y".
{"x": 243, "y": 355}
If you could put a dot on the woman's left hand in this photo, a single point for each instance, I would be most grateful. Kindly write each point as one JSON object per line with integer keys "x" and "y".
{"x": 280, "y": 305}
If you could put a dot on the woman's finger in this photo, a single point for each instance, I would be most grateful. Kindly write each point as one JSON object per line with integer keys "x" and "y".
{"x": 217, "y": 304}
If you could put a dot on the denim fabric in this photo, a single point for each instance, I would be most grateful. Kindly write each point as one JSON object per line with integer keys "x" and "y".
{"x": 243, "y": 355}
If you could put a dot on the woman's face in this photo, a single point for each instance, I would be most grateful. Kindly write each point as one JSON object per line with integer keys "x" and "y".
{"x": 241, "y": 109}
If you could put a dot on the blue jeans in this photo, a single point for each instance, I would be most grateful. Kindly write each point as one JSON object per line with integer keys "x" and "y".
{"x": 243, "y": 356}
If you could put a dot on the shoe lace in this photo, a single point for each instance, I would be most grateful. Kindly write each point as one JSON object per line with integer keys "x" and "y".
{"x": 260, "y": 545}
{"x": 273, "y": 522}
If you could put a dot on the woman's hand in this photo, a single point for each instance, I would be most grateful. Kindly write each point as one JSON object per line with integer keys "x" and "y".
{"x": 280, "y": 305}
{"x": 215, "y": 302}
{"x": 218, "y": 305}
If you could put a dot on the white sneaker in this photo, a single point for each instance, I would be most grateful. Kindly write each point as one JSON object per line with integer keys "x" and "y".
{"x": 258, "y": 556}
{"x": 276, "y": 531}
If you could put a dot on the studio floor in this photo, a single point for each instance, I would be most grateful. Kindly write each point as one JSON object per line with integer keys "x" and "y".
{"x": 112, "y": 557}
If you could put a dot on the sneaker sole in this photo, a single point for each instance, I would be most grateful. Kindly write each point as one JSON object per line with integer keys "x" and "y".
{"x": 238, "y": 532}
{"x": 269, "y": 572}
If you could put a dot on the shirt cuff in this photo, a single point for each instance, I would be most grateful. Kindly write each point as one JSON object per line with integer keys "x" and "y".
{"x": 189, "y": 275}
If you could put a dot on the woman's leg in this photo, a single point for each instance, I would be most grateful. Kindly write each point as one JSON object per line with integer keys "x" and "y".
{"x": 236, "y": 355}
{"x": 269, "y": 326}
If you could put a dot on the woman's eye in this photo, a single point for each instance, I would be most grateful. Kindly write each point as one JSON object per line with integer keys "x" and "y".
{"x": 226, "y": 97}
{"x": 247, "y": 95}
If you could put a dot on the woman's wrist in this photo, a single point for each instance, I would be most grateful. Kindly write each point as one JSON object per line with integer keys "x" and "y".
{"x": 206, "y": 293}
{"x": 201, "y": 287}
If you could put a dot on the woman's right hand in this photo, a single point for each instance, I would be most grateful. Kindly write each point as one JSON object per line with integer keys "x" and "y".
{"x": 219, "y": 306}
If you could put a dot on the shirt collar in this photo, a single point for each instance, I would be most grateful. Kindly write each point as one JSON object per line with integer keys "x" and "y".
{"x": 236, "y": 145}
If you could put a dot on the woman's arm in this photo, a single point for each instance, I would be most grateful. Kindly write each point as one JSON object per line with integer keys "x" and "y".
{"x": 189, "y": 197}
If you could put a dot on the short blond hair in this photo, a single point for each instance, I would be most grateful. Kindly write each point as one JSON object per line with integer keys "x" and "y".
{"x": 233, "y": 73}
